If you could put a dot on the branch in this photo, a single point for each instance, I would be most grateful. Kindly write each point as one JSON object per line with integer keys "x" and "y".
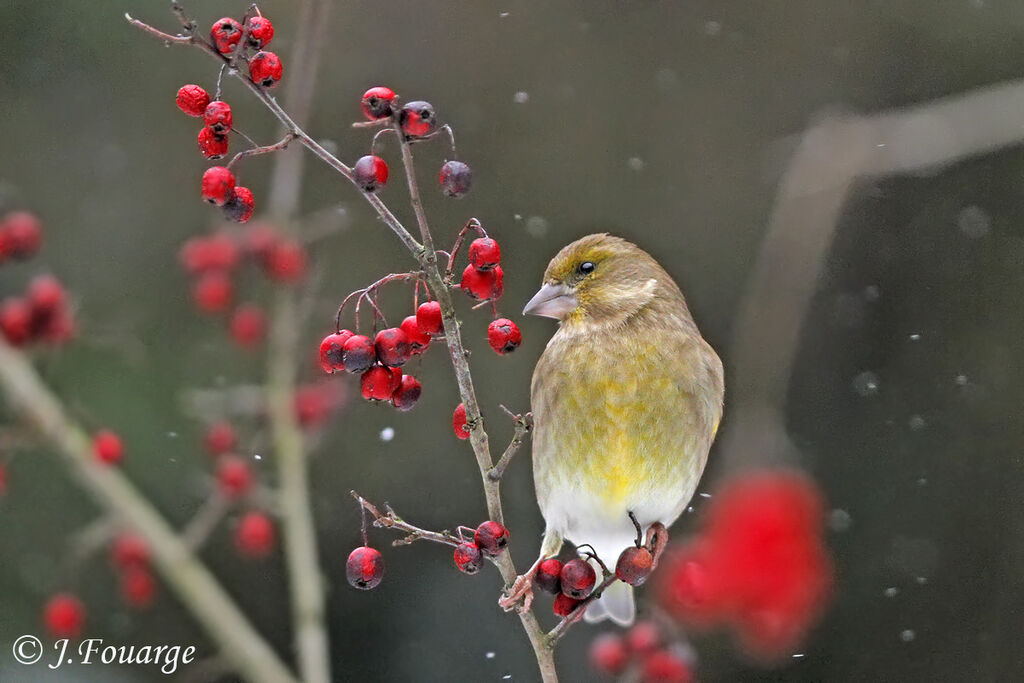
{"x": 555, "y": 634}
{"x": 265, "y": 149}
{"x": 390, "y": 520}
{"x": 523, "y": 424}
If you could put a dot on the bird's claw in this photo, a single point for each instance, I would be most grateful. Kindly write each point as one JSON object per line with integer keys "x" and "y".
{"x": 519, "y": 596}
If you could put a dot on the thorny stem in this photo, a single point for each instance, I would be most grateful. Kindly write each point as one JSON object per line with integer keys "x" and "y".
{"x": 266, "y": 149}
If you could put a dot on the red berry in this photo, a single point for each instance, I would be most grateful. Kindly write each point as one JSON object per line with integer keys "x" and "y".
{"x": 459, "y": 422}
{"x": 577, "y": 578}
{"x": 259, "y": 241}
{"x": 216, "y": 252}
{"x": 609, "y": 654}
{"x": 234, "y": 476}
{"x": 358, "y": 354}
{"x": 456, "y": 178}
{"x": 213, "y": 292}
{"x": 107, "y": 447}
{"x": 248, "y": 326}
{"x": 265, "y": 68}
{"x": 371, "y": 173}
{"x": 192, "y": 99}
{"x": 666, "y": 667}
{"x": 286, "y": 262}
{"x": 491, "y": 537}
{"x": 314, "y": 403}
{"x": 129, "y": 550}
{"x": 212, "y": 144}
{"x": 218, "y": 182}
{"x": 468, "y": 558}
{"x": 225, "y": 34}
{"x": 392, "y": 347}
{"x": 377, "y": 383}
{"x": 484, "y": 253}
{"x": 364, "y": 568}
{"x": 241, "y": 205}
{"x": 217, "y": 116}
{"x": 255, "y": 535}
{"x": 483, "y": 284}
{"x": 634, "y": 565}
{"x": 548, "y": 576}
{"x": 22, "y": 234}
{"x": 644, "y": 637}
{"x": 3, "y": 480}
{"x": 45, "y": 295}
{"x": 407, "y": 393}
{"x": 64, "y": 615}
{"x": 417, "y": 119}
{"x": 377, "y": 102}
{"x": 261, "y": 32}
{"x": 418, "y": 341}
{"x": 58, "y": 328}
{"x": 220, "y": 438}
{"x": 428, "y": 318}
{"x": 138, "y": 588}
{"x": 16, "y": 320}
{"x": 564, "y": 605}
{"x": 331, "y": 357}
{"x": 504, "y": 336}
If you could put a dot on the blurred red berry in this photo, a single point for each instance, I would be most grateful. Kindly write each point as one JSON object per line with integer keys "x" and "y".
{"x": 259, "y": 241}
{"x": 577, "y": 578}
{"x": 608, "y": 654}
{"x": 459, "y": 422}
{"x": 371, "y": 173}
{"x": 216, "y": 252}
{"x": 129, "y": 550}
{"x": 45, "y": 295}
{"x": 358, "y": 354}
{"x": 417, "y": 119}
{"x": 213, "y": 292}
{"x": 64, "y": 615}
{"x": 428, "y": 318}
{"x": 484, "y": 253}
{"x": 315, "y": 402}
{"x": 548, "y": 576}
{"x": 504, "y": 336}
{"x": 418, "y": 340}
{"x": 564, "y": 605}
{"x": 331, "y": 351}
{"x": 225, "y": 34}
{"x": 212, "y": 144}
{"x": 138, "y": 587}
{"x": 392, "y": 347}
{"x": 241, "y": 205}
{"x": 456, "y": 178}
{"x": 407, "y": 393}
{"x": 286, "y": 262}
{"x": 234, "y": 476}
{"x": 265, "y": 68}
{"x": 58, "y": 327}
{"x": 3, "y": 479}
{"x": 218, "y": 182}
{"x": 248, "y": 326}
{"x": 376, "y": 102}
{"x": 468, "y": 558}
{"x": 364, "y": 568}
{"x": 107, "y": 447}
{"x": 22, "y": 234}
{"x": 634, "y": 565}
{"x": 16, "y": 320}
{"x": 665, "y": 667}
{"x": 482, "y": 284}
{"x": 192, "y": 99}
{"x": 643, "y": 637}
{"x": 261, "y": 32}
{"x": 491, "y": 537}
{"x": 220, "y": 438}
{"x": 255, "y": 535}
{"x": 377, "y": 384}
{"x": 217, "y": 116}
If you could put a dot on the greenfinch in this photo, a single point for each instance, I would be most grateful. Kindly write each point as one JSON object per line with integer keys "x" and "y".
{"x": 626, "y": 400}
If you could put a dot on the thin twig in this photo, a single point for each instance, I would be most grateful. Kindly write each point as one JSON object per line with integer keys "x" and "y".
{"x": 266, "y": 149}
{"x": 523, "y": 425}
{"x": 554, "y": 635}
{"x": 205, "y": 520}
{"x": 389, "y": 520}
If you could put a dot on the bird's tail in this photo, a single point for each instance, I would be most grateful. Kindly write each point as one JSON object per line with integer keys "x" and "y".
{"x": 616, "y": 603}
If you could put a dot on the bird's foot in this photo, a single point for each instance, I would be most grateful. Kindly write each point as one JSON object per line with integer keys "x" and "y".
{"x": 519, "y": 596}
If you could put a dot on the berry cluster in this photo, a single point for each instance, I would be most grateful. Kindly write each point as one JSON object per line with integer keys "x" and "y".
{"x": 129, "y": 555}
{"x": 644, "y": 653}
{"x": 571, "y": 582}
{"x": 227, "y": 35}
{"x": 490, "y": 538}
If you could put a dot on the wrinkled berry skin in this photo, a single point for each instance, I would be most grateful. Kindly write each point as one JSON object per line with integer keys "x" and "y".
{"x": 468, "y": 558}
{"x": 225, "y": 34}
{"x": 417, "y": 119}
{"x": 548, "y": 576}
{"x": 484, "y": 253}
{"x": 577, "y": 578}
{"x": 218, "y": 184}
{"x": 213, "y": 145}
{"x": 217, "y": 116}
{"x": 241, "y": 205}
{"x": 564, "y": 605}
{"x": 459, "y": 422}
{"x": 504, "y": 336}
{"x": 261, "y": 32}
{"x": 192, "y": 99}
{"x": 378, "y": 384}
{"x": 491, "y": 537}
{"x": 418, "y": 340}
{"x": 483, "y": 284}
{"x": 332, "y": 351}
{"x": 265, "y": 69}
{"x": 634, "y": 565}
{"x": 371, "y": 173}
{"x": 357, "y": 354}
{"x": 407, "y": 393}
{"x": 428, "y": 318}
{"x": 392, "y": 347}
{"x": 456, "y": 178}
{"x": 377, "y": 102}
{"x": 364, "y": 568}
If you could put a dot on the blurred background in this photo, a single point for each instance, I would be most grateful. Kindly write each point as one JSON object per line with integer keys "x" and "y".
{"x": 670, "y": 124}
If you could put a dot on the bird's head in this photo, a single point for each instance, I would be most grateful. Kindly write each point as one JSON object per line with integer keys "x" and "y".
{"x": 599, "y": 279}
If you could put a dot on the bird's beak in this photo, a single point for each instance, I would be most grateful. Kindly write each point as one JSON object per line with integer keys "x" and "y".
{"x": 552, "y": 301}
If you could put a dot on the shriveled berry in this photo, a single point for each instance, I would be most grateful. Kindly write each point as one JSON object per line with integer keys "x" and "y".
{"x": 377, "y": 384}
{"x": 484, "y": 253}
{"x": 225, "y": 34}
{"x": 577, "y": 578}
{"x": 218, "y": 182}
{"x": 16, "y": 320}
{"x": 634, "y": 565}
{"x": 456, "y": 178}
{"x": 459, "y": 422}
{"x": 608, "y": 654}
{"x": 483, "y": 284}
{"x": 45, "y": 295}
{"x": 331, "y": 351}
{"x": 643, "y": 638}
{"x": 261, "y": 32}
{"x": 192, "y": 99}
{"x": 377, "y": 102}
{"x": 428, "y": 318}
{"x": 138, "y": 587}
{"x": 666, "y": 667}
{"x": 22, "y": 234}
{"x": 468, "y": 558}
{"x": 417, "y": 119}
{"x": 286, "y": 262}
{"x": 248, "y": 326}
{"x": 371, "y": 173}
{"x": 364, "y": 568}
{"x": 491, "y": 537}
{"x": 213, "y": 292}
{"x": 392, "y": 347}
{"x": 234, "y": 476}
{"x": 418, "y": 340}
{"x": 548, "y": 575}
{"x": 265, "y": 68}
{"x": 64, "y": 615}
{"x": 217, "y": 116}
{"x": 107, "y": 447}
{"x": 129, "y": 550}
{"x": 255, "y": 535}
{"x": 504, "y": 336}
{"x": 564, "y": 605}
{"x": 407, "y": 393}
{"x": 216, "y": 252}
{"x": 358, "y": 354}
{"x": 220, "y": 438}
{"x": 212, "y": 144}
{"x": 241, "y": 205}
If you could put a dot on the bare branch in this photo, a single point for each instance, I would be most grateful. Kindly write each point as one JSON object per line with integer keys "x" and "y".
{"x": 523, "y": 425}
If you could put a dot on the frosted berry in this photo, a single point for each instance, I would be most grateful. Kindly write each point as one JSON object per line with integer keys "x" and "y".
{"x": 504, "y": 336}
{"x": 564, "y": 605}
{"x": 364, "y": 568}
{"x": 107, "y": 447}
{"x": 241, "y": 205}
{"x": 548, "y": 576}
{"x": 392, "y": 347}
{"x": 212, "y": 144}
{"x": 358, "y": 354}
{"x": 371, "y": 173}
{"x": 456, "y": 178}
{"x": 491, "y": 537}
{"x": 428, "y": 318}
{"x": 218, "y": 182}
{"x": 213, "y": 292}
{"x": 64, "y": 615}
{"x": 138, "y": 587}
{"x": 377, "y": 102}
{"x": 129, "y": 550}
{"x": 634, "y": 565}
{"x": 45, "y": 295}
{"x": 255, "y": 535}
{"x": 286, "y": 262}
{"x": 468, "y": 558}
{"x": 265, "y": 68}
{"x": 192, "y": 99}
{"x": 22, "y": 234}
{"x": 16, "y": 320}
{"x": 407, "y": 393}
{"x": 225, "y": 34}
{"x": 377, "y": 384}
{"x": 418, "y": 341}
{"x": 220, "y": 438}
{"x": 666, "y": 667}
{"x": 261, "y": 32}
{"x": 484, "y": 253}
{"x": 417, "y": 119}
{"x": 217, "y": 116}
{"x": 459, "y": 422}
{"x": 331, "y": 356}
{"x": 216, "y": 252}
{"x": 608, "y": 654}
{"x": 248, "y": 326}
{"x": 577, "y": 578}
{"x": 234, "y": 476}
{"x": 482, "y": 284}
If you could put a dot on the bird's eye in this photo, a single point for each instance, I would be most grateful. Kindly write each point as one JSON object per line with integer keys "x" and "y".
{"x": 587, "y": 267}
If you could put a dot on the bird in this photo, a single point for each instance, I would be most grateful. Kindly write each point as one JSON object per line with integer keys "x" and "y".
{"x": 626, "y": 400}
